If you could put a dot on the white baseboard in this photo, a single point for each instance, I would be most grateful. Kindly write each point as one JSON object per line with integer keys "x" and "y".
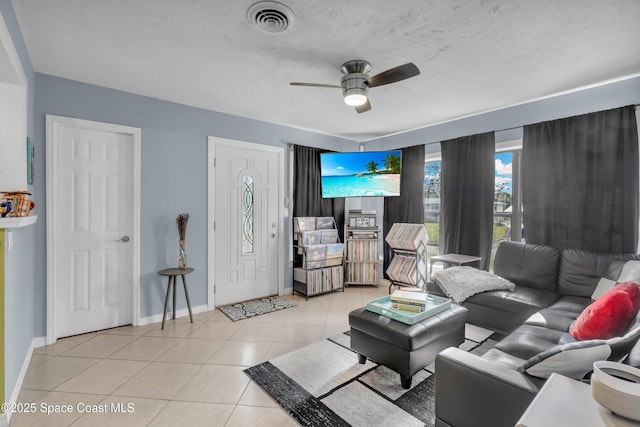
{"x": 180, "y": 313}
{"x": 35, "y": 343}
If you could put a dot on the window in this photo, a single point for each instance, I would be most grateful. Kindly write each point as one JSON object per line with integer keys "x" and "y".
{"x": 432, "y": 203}
{"x": 507, "y": 206}
{"x": 507, "y": 202}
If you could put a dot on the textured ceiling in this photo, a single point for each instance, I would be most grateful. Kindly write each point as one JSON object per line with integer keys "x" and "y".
{"x": 474, "y": 56}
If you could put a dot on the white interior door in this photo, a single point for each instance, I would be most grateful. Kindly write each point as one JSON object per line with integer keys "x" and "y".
{"x": 247, "y": 223}
{"x": 94, "y": 230}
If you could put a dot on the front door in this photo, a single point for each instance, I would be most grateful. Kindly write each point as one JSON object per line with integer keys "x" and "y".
{"x": 246, "y": 249}
{"x": 92, "y": 225}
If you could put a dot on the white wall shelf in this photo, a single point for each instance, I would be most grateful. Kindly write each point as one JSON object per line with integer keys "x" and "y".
{"x": 18, "y": 221}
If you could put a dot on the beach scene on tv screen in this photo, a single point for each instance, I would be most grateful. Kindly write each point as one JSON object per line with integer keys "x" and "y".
{"x": 358, "y": 174}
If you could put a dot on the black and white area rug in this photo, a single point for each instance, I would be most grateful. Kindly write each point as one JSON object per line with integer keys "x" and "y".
{"x": 256, "y": 307}
{"x": 323, "y": 384}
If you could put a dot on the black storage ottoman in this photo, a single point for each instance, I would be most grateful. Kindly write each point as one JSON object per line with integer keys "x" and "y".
{"x": 401, "y": 347}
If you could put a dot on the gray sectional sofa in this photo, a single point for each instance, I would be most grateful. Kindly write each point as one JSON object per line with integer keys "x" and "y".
{"x": 552, "y": 289}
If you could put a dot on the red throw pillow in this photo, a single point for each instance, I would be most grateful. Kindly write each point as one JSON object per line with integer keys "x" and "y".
{"x": 610, "y": 315}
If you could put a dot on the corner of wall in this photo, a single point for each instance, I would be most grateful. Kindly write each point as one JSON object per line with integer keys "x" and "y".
{"x": 2, "y": 386}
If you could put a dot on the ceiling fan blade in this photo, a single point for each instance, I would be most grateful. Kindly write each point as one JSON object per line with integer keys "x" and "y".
{"x": 364, "y": 107}
{"x": 393, "y": 75}
{"x": 314, "y": 85}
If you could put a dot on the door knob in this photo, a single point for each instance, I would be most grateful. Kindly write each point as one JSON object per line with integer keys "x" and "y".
{"x": 124, "y": 239}
{"x": 275, "y": 235}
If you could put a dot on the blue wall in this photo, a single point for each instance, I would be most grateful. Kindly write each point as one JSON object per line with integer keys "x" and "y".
{"x": 174, "y": 169}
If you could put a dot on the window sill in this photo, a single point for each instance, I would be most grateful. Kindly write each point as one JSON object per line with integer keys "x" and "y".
{"x": 18, "y": 222}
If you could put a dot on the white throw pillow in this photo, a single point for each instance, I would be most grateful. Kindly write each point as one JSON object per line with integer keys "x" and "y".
{"x": 630, "y": 273}
{"x": 604, "y": 286}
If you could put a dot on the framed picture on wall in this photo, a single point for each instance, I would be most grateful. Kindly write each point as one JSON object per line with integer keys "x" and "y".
{"x": 30, "y": 155}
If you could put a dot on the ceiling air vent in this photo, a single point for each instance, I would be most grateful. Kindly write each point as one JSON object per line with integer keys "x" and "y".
{"x": 270, "y": 16}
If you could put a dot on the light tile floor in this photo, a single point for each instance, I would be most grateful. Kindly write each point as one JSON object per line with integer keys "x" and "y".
{"x": 187, "y": 374}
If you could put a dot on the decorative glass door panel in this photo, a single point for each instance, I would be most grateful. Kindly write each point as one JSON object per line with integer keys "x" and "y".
{"x": 247, "y": 214}
{"x": 246, "y": 210}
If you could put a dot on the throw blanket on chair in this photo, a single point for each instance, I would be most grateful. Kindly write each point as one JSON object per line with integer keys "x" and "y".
{"x": 460, "y": 283}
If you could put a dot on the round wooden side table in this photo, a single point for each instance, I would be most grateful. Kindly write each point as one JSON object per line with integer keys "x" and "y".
{"x": 172, "y": 273}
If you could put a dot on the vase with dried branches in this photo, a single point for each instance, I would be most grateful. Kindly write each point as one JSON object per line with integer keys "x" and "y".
{"x": 181, "y": 221}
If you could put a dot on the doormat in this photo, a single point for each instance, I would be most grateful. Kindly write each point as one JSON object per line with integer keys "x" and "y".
{"x": 256, "y": 307}
{"x": 323, "y": 384}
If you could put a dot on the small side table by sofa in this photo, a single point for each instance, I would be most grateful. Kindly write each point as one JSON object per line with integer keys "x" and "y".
{"x": 172, "y": 273}
{"x": 564, "y": 401}
{"x": 452, "y": 259}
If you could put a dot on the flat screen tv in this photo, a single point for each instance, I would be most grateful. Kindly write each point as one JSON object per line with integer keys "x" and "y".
{"x": 361, "y": 174}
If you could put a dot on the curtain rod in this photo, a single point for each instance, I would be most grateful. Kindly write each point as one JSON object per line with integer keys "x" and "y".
{"x": 521, "y": 126}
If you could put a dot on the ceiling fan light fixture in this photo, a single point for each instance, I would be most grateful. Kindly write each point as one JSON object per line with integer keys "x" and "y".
{"x": 356, "y": 82}
{"x": 354, "y": 89}
{"x": 355, "y": 99}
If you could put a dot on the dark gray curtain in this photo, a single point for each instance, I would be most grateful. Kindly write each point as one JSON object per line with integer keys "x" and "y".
{"x": 580, "y": 182}
{"x": 409, "y": 206}
{"x": 466, "y": 205}
{"x": 307, "y": 192}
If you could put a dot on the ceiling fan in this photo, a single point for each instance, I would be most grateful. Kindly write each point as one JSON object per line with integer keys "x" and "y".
{"x": 356, "y": 82}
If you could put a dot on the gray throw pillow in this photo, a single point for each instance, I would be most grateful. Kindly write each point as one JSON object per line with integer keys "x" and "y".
{"x": 573, "y": 360}
{"x": 633, "y": 358}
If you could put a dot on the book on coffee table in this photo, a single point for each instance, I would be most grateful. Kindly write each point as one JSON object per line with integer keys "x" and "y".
{"x": 406, "y": 297}
{"x": 416, "y": 308}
